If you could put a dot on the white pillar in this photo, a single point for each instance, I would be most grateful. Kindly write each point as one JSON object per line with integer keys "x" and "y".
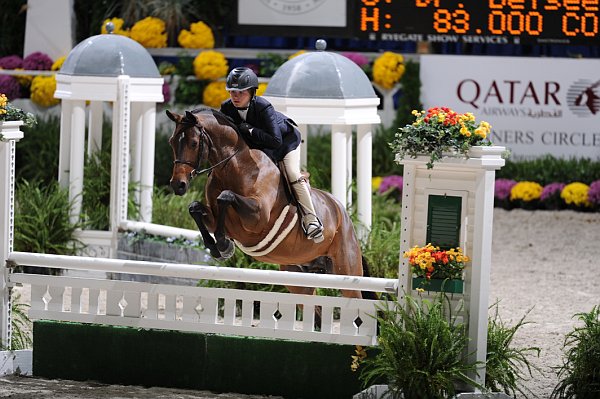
{"x": 77, "y": 156}
{"x": 95, "y": 119}
{"x": 364, "y": 174}
{"x": 147, "y": 173}
{"x": 303, "y": 128}
{"x": 135, "y": 145}
{"x": 49, "y": 27}
{"x": 349, "y": 162}
{"x": 9, "y": 135}
{"x": 64, "y": 151}
{"x": 480, "y": 271}
{"x": 338, "y": 163}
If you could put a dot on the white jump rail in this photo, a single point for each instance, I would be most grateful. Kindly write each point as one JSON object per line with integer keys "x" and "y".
{"x": 202, "y": 309}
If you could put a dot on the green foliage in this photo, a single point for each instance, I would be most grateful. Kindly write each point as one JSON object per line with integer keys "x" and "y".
{"x": 37, "y": 152}
{"x": 422, "y": 350}
{"x": 163, "y": 160}
{"x": 189, "y": 91}
{"x": 505, "y": 365}
{"x": 21, "y": 325}
{"x": 548, "y": 169}
{"x": 579, "y": 376}
{"x": 410, "y": 98}
{"x": 172, "y": 210}
{"x": 269, "y": 63}
{"x": 42, "y": 219}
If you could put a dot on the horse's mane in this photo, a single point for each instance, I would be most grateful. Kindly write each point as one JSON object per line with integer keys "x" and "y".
{"x": 221, "y": 118}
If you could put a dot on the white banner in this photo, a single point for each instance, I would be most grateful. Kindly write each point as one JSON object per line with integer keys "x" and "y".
{"x": 323, "y": 13}
{"x": 536, "y": 106}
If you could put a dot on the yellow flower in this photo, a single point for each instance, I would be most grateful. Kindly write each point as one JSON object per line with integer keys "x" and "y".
{"x": 24, "y": 80}
{"x": 118, "y": 24}
{"x": 214, "y": 94}
{"x": 58, "y": 63}
{"x": 376, "y": 182}
{"x": 150, "y": 32}
{"x": 210, "y": 65}
{"x": 526, "y": 191}
{"x": 3, "y": 101}
{"x": 361, "y": 355}
{"x": 576, "y": 194}
{"x": 199, "y": 36}
{"x": 42, "y": 91}
{"x": 262, "y": 87}
{"x": 388, "y": 69}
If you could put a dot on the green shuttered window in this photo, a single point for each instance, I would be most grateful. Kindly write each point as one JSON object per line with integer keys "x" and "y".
{"x": 443, "y": 221}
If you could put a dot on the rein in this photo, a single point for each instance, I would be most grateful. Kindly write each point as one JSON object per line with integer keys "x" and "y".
{"x": 196, "y": 171}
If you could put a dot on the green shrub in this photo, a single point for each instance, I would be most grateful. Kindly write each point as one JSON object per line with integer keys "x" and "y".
{"x": 42, "y": 219}
{"x": 548, "y": 169}
{"x": 505, "y": 364}
{"x": 37, "y": 152}
{"x": 579, "y": 376}
{"x": 422, "y": 350}
{"x": 21, "y": 325}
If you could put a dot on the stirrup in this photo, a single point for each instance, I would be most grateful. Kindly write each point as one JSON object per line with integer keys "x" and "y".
{"x": 314, "y": 230}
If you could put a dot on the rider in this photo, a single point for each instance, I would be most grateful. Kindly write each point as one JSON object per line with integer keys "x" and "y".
{"x": 272, "y": 132}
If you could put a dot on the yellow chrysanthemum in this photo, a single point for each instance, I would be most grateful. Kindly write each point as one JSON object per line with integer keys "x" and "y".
{"x": 526, "y": 191}
{"x": 150, "y": 32}
{"x": 210, "y": 65}
{"x": 262, "y": 87}
{"x": 214, "y": 94}
{"x": 376, "y": 182}
{"x": 199, "y": 36}
{"x": 388, "y": 69}
{"x": 118, "y": 24}
{"x": 24, "y": 80}
{"x": 576, "y": 194}
{"x": 42, "y": 91}
{"x": 58, "y": 63}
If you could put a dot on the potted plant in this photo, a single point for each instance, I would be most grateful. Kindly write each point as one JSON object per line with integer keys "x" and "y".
{"x": 439, "y": 131}
{"x": 436, "y": 269}
{"x": 11, "y": 118}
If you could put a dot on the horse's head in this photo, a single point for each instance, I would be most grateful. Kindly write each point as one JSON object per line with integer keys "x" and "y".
{"x": 187, "y": 144}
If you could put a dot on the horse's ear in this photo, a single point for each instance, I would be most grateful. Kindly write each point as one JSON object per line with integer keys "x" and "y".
{"x": 189, "y": 117}
{"x": 174, "y": 117}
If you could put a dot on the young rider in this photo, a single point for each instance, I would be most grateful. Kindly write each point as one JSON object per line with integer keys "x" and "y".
{"x": 272, "y": 132}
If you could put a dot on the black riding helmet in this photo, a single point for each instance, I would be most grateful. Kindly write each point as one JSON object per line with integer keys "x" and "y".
{"x": 241, "y": 78}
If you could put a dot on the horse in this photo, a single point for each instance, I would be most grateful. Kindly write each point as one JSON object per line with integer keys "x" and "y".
{"x": 247, "y": 202}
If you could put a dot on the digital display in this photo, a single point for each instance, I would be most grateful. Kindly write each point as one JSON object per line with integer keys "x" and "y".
{"x": 480, "y": 21}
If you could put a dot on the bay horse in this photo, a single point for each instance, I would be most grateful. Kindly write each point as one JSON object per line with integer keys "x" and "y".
{"x": 246, "y": 201}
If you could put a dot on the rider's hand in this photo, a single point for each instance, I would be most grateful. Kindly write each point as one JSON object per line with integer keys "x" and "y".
{"x": 245, "y": 128}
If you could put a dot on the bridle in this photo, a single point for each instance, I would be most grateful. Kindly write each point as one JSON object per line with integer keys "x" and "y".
{"x": 201, "y": 131}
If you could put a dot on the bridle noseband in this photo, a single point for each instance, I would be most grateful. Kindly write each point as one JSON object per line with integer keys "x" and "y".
{"x": 196, "y": 167}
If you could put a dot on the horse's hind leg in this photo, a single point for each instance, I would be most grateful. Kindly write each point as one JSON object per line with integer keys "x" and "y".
{"x": 198, "y": 211}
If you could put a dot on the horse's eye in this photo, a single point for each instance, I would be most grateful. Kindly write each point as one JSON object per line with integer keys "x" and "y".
{"x": 194, "y": 144}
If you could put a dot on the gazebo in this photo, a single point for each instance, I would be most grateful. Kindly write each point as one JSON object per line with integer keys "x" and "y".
{"x": 118, "y": 72}
{"x": 326, "y": 88}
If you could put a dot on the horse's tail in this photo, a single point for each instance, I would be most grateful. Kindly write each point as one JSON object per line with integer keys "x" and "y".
{"x": 367, "y": 294}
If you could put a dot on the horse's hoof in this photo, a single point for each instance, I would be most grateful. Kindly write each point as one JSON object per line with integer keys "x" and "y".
{"x": 228, "y": 252}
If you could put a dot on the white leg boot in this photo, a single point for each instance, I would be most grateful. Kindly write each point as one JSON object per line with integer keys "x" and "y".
{"x": 313, "y": 228}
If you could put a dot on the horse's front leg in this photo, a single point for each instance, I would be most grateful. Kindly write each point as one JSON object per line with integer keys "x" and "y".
{"x": 244, "y": 206}
{"x": 199, "y": 211}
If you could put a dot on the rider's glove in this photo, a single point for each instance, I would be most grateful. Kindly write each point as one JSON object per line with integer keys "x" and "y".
{"x": 245, "y": 128}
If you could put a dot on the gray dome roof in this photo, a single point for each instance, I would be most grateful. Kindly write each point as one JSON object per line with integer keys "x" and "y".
{"x": 320, "y": 74}
{"x": 110, "y": 55}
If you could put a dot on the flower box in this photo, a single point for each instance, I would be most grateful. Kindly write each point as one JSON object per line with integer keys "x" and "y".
{"x": 452, "y": 286}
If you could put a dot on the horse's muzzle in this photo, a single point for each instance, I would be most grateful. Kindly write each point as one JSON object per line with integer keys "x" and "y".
{"x": 179, "y": 187}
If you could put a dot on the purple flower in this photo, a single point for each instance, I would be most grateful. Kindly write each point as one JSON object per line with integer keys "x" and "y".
{"x": 11, "y": 62}
{"x": 37, "y": 62}
{"x": 551, "y": 190}
{"x": 357, "y": 58}
{"x": 9, "y": 85}
{"x": 391, "y": 182}
{"x": 594, "y": 192}
{"x": 166, "y": 90}
{"x": 502, "y": 188}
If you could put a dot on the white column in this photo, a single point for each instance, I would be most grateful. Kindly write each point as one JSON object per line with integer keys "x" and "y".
{"x": 480, "y": 271}
{"x": 49, "y": 27}
{"x": 77, "y": 152}
{"x": 9, "y": 135}
{"x": 303, "y": 146}
{"x": 147, "y": 176}
{"x": 95, "y": 119}
{"x": 64, "y": 151}
{"x": 349, "y": 162}
{"x": 338, "y": 163}
{"x": 407, "y": 221}
{"x": 364, "y": 174}
{"x": 135, "y": 145}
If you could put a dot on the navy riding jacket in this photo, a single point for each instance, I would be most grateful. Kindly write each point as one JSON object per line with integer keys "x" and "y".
{"x": 272, "y": 132}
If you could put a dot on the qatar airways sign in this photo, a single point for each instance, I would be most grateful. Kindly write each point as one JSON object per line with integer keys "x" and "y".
{"x": 536, "y": 106}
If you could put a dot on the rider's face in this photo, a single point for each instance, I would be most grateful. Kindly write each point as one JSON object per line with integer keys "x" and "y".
{"x": 240, "y": 98}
